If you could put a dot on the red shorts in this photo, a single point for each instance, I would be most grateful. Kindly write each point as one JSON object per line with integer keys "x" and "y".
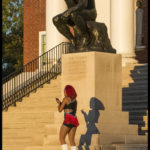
{"x": 71, "y": 120}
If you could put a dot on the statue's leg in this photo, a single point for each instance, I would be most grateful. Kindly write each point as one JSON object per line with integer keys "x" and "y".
{"x": 79, "y": 22}
{"x": 81, "y": 32}
{"x": 61, "y": 24}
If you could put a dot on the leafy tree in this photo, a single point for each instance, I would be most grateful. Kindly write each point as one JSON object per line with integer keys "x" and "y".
{"x": 12, "y": 35}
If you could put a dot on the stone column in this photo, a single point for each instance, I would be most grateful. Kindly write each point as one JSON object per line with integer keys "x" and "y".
{"x": 53, "y": 37}
{"x": 122, "y": 29}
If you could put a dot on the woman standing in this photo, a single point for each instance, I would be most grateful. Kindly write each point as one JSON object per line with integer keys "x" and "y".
{"x": 69, "y": 126}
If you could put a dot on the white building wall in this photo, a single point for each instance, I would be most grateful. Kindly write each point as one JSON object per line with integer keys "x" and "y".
{"x": 53, "y": 37}
{"x": 103, "y": 13}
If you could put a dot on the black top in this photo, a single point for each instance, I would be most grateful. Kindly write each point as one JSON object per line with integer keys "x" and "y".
{"x": 72, "y": 105}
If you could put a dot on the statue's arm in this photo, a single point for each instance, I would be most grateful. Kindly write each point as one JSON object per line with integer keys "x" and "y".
{"x": 82, "y": 4}
{"x": 70, "y": 3}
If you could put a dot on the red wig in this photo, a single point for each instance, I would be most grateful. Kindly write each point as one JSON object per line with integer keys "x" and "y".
{"x": 70, "y": 91}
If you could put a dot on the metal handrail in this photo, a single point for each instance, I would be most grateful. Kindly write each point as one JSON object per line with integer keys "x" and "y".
{"x": 33, "y": 75}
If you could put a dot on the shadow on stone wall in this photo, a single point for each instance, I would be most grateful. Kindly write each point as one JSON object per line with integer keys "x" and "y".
{"x": 135, "y": 97}
{"x": 91, "y": 118}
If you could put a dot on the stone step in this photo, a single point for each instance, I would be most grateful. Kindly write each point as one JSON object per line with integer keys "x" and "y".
{"x": 22, "y": 125}
{"x": 137, "y": 112}
{"x": 38, "y": 120}
{"x": 13, "y": 147}
{"x": 121, "y": 129}
{"x": 32, "y": 109}
{"x": 58, "y": 147}
{"x": 114, "y": 117}
{"x": 136, "y": 118}
{"x": 50, "y": 100}
{"x": 137, "y": 78}
{"x": 27, "y": 115}
{"x": 133, "y": 102}
{"x": 28, "y": 132}
{"x": 132, "y": 93}
{"x": 134, "y": 97}
{"x": 145, "y": 128}
{"x": 136, "y": 72}
{"x": 139, "y": 84}
{"x": 136, "y": 139}
{"x": 139, "y": 70}
{"x": 52, "y": 89}
{"x": 132, "y": 74}
{"x": 136, "y": 65}
{"x": 131, "y": 146}
{"x": 51, "y": 83}
{"x": 134, "y": 89}
{"x": 132, "y": 85}
{"x": 38, "y": 104}
{"x": 137, "y": 122}
{"x": 17, "y": 141}
{"x": 45, "y": 95}
{"x": 135, "y": 107}
{"x": 96, "y": 139}
{"x": 140, "y": 81}
{"x": 99, "y": 139}
{"x": 94, "y": 128}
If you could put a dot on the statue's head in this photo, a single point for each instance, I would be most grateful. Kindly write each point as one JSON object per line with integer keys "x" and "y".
{"x": 139, "y": 3}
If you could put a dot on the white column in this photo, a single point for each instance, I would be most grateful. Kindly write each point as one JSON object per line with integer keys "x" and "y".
{"x": 122, "y": 29}
{"x": 103, "y": 13}
{"x": 53, "y": 37}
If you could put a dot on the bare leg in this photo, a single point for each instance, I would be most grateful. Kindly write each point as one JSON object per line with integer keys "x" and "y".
{"x": 71, "y": 136}
{"x": 62, "y": 134}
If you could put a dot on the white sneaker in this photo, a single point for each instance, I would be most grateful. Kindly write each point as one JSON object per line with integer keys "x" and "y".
{"x": 73, "y": 147}
{"x": 64, "y": 147}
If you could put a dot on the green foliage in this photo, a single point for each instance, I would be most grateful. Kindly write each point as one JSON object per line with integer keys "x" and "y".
{"x": 12, "y": 35}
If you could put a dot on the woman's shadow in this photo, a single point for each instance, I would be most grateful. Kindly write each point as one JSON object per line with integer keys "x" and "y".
{"x": 91, "y": 119}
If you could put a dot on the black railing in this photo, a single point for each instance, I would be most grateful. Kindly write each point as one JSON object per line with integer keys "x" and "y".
{"x": 33, "y": 75}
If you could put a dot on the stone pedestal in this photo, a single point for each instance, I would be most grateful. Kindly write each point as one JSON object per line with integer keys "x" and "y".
{"x": 94, "y": 75}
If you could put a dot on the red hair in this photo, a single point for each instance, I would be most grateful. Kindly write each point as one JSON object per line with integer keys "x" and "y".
{"x": 70, "y": 91}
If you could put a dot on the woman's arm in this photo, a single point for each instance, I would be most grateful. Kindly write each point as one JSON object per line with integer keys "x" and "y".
{"x": 62, "y": 104}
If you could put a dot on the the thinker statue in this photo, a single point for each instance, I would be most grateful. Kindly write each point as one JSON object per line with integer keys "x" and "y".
{"x": 139, "y": 24}
{"x": 88, "y": 34}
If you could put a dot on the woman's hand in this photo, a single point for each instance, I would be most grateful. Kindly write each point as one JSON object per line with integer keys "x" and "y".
{"x": 62, "y": 104}
{"x": 58, "y": 101}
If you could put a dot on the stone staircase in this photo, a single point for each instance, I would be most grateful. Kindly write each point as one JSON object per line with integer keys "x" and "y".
{"x": 27, "y": 120}
{"x": 135, "y": 94}
{"x": 32, "y": 125}
{"x": 145, "y": 119}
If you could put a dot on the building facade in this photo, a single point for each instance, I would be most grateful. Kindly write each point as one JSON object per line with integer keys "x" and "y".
{"x": 40, "y": 35}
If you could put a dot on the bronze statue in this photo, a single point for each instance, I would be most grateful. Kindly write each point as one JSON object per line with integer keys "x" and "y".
{"x": 81, "y": 15}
